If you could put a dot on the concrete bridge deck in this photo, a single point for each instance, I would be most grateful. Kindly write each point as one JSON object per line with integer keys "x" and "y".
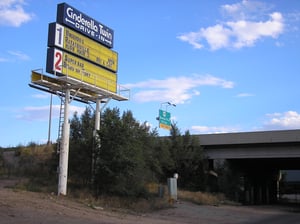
{"x": 264, "y": 144}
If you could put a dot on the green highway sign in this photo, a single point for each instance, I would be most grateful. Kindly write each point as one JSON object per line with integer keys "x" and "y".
{"x": 164, "y": 119}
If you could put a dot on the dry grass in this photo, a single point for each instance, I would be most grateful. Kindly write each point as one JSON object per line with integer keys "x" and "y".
{"x": 120, "y": 204}
{"x": 129, "y": 205}
{"x": 135, "y": 205}
{"x": 201, "y": 198}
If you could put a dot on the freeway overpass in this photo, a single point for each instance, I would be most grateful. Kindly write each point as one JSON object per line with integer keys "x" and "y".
{"x": 259, "y": 156}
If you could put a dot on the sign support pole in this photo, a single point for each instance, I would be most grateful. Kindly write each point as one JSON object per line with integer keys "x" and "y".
{"x": 97, "y": 115}
{"x": 64, "y": 152}
{"x": 50, "y": 120}
{"x": 97, "y": 128}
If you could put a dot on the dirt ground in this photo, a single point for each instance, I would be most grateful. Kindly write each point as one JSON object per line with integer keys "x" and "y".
{"x": 30, "y": 208}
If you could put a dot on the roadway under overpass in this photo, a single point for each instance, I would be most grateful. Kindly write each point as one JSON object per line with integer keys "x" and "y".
{"x": 259, "y": 156}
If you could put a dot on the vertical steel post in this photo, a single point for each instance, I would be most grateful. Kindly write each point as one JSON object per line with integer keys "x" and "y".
{"x": 97, "y": 128}
{"x": 97, "y": 115}
{"x": 50, "y": 120}
{"x": 64, "y": 152}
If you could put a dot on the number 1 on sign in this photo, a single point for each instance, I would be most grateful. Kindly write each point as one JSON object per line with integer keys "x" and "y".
{"x": 59, "y": 31}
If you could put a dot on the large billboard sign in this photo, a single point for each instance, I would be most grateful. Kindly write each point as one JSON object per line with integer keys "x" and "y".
{"x": 62, "y": 63}
{"x": 73, "y": 42}
{"x": 84, "y": 24}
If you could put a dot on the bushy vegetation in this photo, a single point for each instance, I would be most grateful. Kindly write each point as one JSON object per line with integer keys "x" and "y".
{"x": 32, "y": 162}
{"x": 120, "y": 159}
{"x": 125, "y": 155}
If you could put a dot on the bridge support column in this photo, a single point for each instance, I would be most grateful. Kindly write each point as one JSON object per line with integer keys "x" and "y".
{"x": 261, "y": 188}
{"x": 267, "y": 195}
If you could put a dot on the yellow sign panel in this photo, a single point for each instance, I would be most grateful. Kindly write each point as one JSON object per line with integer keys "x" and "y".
{"x": 164, "y": 126}
{"x": 62, "y": 63}
{"x": 82, "y": 46}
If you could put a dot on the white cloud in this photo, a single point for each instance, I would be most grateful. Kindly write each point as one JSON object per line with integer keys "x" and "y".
{"x": 279, "y": 44}
{"x": 42, "y": 113}
{"x": 240, "y": 95}
{"x": 19, "y": 55}
{"x": 212, "y": 129}
{"x": 246, "y": 33}
{"x": 286, "y": 120}
{"x": 12, "y": 13}
{"x": 15, "y": 55}
{"x": 217, "y": 36}
{"x": 275, "y": 121}
{"x": 250, "y": 10}
{"x": 177, "y": 90}
{"x": 294, "y": 16}
{"x": 192, "y": 38}
{"x": 243, "y": 30}
{"x": 3, "y": 59}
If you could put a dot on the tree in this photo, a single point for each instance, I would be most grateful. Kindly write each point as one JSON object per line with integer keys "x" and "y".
{"x": 81, "y": 146}
{"x": 230, "y": 180}
{"x": 188, "y": 159}
{"x": 121, "y": 167}
{"x": 158, "y": 157}
{"x": 125, "y": 155}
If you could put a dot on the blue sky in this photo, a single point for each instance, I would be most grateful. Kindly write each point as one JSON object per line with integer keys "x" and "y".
{"x": 229, "y": 66}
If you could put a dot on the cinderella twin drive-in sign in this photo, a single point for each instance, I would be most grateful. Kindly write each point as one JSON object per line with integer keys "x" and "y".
{"x": 84, "y": 68}
{"x": 80, "y": 22}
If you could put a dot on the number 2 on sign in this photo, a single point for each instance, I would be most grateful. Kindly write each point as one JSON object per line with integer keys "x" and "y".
{"x": 57, "y": 60}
